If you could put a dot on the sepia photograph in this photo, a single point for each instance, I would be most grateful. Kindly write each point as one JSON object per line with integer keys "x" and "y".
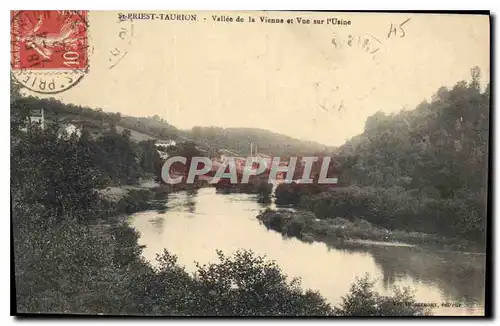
{"x": 250, "y": 163}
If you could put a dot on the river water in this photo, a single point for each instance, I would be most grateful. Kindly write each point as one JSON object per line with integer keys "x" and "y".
{"x": 197, "y": 223}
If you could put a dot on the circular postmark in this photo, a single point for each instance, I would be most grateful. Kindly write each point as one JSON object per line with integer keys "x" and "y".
{"x": 118, "y": 47}
{"x": 48, "y": 82}
{"x": 49, "y": 49}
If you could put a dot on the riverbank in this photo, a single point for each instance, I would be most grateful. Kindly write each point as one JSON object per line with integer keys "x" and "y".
{"x": 146, "y": 195}
{"x": 306, "y": 226}
{"x": 66, "y": 264}
{"x": 257, "y": 185}
{"x": 129, "y": 199}
{"x": 188, "y": 287}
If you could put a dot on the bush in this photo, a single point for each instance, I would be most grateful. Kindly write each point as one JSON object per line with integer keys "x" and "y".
{"x": 65, "y": 262}
{"x": 362, "y": 301}
{"x": 249, "y": 285}
{"x": 138, "y": 200}
{"x": 265, "y": 191}
{"x": 70, "y": 268}
{"x": 395, "y": 208}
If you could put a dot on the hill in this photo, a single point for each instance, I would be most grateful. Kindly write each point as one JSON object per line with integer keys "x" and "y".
{"x": 236, "y": 140}
{"x": 421, "y": 170}
{"x": 239, "y": 140}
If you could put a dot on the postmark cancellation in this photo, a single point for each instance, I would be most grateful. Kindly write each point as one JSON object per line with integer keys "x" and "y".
{"x": 49, "y": 49}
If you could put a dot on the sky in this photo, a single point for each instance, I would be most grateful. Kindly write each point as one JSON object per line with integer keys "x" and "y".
{"x": 287, "y": 78}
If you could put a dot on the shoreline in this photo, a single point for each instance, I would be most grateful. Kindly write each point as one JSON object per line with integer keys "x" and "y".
{"x": 305, "y": 226}
{"x": 301, "y": 224}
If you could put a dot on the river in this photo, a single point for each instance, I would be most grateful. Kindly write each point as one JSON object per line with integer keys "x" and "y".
{"x": 197, "y": 223}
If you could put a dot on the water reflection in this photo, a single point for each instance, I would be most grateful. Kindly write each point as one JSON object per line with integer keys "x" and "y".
{"x": 157, "y": 223}
{"x": 191, "y": 201}
{"x": 459, "y": 275}
{"x": 198, "y": 222}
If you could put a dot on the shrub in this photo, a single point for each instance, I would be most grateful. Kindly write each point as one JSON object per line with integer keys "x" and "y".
{"x": 362, "y": 300}
{"x": 395, "y": 208}
{"x": 249, "y": 285}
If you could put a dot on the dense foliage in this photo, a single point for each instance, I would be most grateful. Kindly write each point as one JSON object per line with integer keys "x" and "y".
{"x": 305, "y": 225}
{"x": 439, "y": 148}
{"x": 363, "y": 301}
{"x": 211, "y": 139}
{"x": 72, "y": 256}
{"x": 419, "y": 170}
{"x": 96, "y": 119}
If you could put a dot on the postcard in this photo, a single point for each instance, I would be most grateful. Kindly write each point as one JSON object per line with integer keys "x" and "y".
{"x": 254, "y": 163}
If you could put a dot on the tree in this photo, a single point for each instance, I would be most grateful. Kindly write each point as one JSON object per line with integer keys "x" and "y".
{"x": 476, "y": 77}
{"x": 362, "y": 301}
{"x": 242, "y": 285}
{"x": 421, "y": 170}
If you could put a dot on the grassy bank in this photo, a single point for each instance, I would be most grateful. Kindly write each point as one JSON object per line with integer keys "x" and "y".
{"x": 69, "y": 267}
{"x": 131, "y": 199}
{"x": 147, "y": 195}
{"x": 457, "y": 222}
{"x": 306, "y": 226}
{"x": 257, "y": 185}
{"x": 66, "y": 262}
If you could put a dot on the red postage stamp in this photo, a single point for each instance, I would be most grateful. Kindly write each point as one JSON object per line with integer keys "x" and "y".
{"x": 49, "y": 39}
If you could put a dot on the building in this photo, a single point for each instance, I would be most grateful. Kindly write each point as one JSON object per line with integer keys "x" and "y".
{"x": 36, "y": 117}
{"x": 166, "y": 143}
{"x": 72, "y": 129}
{"x": 162, "y": 147}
